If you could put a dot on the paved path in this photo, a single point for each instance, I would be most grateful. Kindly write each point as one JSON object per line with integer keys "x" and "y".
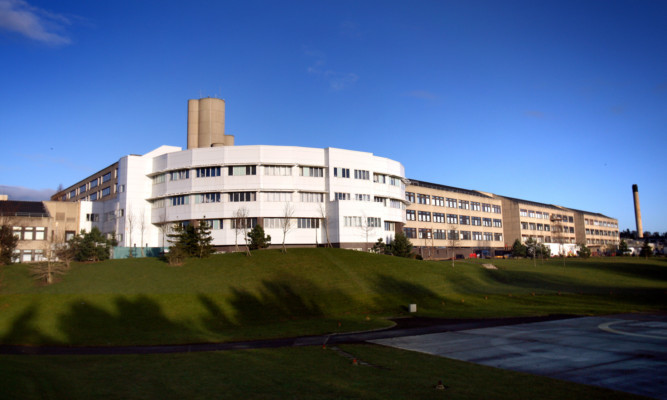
{"x": 620, "y": 352}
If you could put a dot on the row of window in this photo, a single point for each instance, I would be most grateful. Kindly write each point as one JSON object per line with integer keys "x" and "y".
{"x": 234, "y": 197}
{"x": 269, "y": 223}
{"x": 547, "y": 239}
{"x": 439, "y": 201}
{"x": 595, "y": 222}
{"x": 425, "y": 216}
{"x": 601, "y": 232}
{"x": 238, "y": 170}
{"x": 362, "y": 222}
{"x": 90, "y": 185}
{"x": 452, "y": 234}
{"x": 531, "y": 226}
{"x": 545, "y": 215}
{"x": 29, "y": 232}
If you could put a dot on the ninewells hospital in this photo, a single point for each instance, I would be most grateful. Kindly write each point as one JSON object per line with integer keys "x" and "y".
{"x": 345, "y": 198}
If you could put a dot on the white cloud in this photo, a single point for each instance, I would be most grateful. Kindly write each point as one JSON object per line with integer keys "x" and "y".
{"x": 26, "y": 194}
{"x": 336, "y": 80}
{"x": 33, "y": 22}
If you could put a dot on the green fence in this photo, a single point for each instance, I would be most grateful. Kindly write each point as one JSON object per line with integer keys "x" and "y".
{"x": 124, "y": 252}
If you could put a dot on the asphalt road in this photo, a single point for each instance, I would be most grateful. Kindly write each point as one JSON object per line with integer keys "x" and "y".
{"x": 622, "y": 352}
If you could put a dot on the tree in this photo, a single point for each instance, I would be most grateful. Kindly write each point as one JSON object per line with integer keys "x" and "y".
{"x": 453, "y": 240}
{"x": 646, "y": 250}
{"x": 91, "y": 246}
{"x": 287, "y": 222}
{"x": 584, "y": 251}
{"x": 379, "y": 247}
{"x": 623, "y": 248}
{"x": 8, "y": 243}
{"x": 258, "y": 240}
{"x": 142, "y": 229}
{"x": 240, "y": 222}
{"x": 531, "y": 248}
{"x": 544, "y": 251}
{"x": 324, "y": 217}
{"x": 518, "y": 249}
{"x": 130, "y": 224}
{"x": 204, "y": 239}
{"x": 367, "y": 228}
{"x": 401, "y": 246}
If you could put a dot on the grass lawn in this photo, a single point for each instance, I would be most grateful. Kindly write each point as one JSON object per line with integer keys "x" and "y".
{"x": 306, "y": 291}
{"x": 295, "y": 373}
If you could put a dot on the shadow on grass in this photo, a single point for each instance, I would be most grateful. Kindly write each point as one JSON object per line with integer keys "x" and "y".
{"x": 397, "y": 294}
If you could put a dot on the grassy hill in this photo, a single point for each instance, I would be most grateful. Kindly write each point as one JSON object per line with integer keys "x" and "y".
{"x": 306, "y": 291}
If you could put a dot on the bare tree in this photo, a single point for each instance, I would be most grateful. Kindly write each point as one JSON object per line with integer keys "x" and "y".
{"x": 324, "y": 216}
{"x": 49, "y": 267}
{"x": 454, "y": 241}
{"x": 241, "y": 227}
{"x": 165, "y": 229}
{"x": 130, "y": 224}
{"x": 142, "y": 228}
{"x": 367, "y": 228}
{"x": 287, "y": 222}
{"x": 558, "y": 231}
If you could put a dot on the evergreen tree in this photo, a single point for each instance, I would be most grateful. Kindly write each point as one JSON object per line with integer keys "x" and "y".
{"x": 518, "y": 249}
{"x": 401, "y": 246}
{"x": 623, "y": 248}
{"x": 584, "y": 251}
{"x": 258, "y": 240}
{"x": 646, "y": 250}
{"x": 204, "y": 239}
{"x": 8, "y": 243}
{"x": 91, "y": 246}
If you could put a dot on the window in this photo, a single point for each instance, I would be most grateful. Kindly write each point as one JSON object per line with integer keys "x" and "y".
{"x": 158, "y": 179}
{"x": 93, "y": 183}
{"x": 308, "y": 223}
{"x": 523, "y": 213}
{"x": 207, "y": 198}
{"x": 277, "y": 223}
{"x": 396, "y": 204}
{"x": 410, "y": 233}
{"x": 352, "y": 221}
{"x": 570, "y": 220}
{"x": 498, "y": 223}
{"x": 316, "y": 172}
{"x": 451, "y": 203}
{"x": 423, "y": 199}
{"x": 498, "y": 237}
{"x": 277, "y": 196}
{"x": 545, "y": 215}
{"x": 540, "y": 227}
{"x": 477, "y": 236}
{"x": 571, "y": 229}
{"x": 410, "y": 215}
{"x": 243, "y": 223}
{"x": 362, "y": 197}
{"x": 465, "y": 235}
{"x": 524, "y": 225}
{"x": 438, "y": 201}
{"x": 277, "y": 170}
{"x": 393, "y": 181}
{"x": 464, "y": 205}
{"x": 106, "y": 177}
{"x": 17, "y": 231}
{"x": 82, "y": 188}
{"x": 373, "y": 222}
{"x": 179, "y": 175}
{"x": 453, "y": 234}
{"x": 486, "y": 221}
{"x": 475, "y": 206}
{"x": 93, "y": 196}
{"x": 424, "y": 216}
{"x": 439, "y": 234}
{"x": 382, "y": 200}
{"x": 179, "y": 200}
{"x": 439, "y": 217}
{"x": 464, "y": 219}
{"x": 361, "y": 174}
{"x": 341, "y": 172}
{"x": 242, "y": 170}
{"x": 106, "y": 191}
{"x": 532, "y": 226}
{"x": 476, "y": 221}
{"x": 486, "y": 207}
{"x": 497, "y": 209}
{"x": 342, "y": 196}
{"x": 72, "y": 194}
{"x": 424, "y": 233}
{"x": 379, "y": 178}
{"x": 389, "y": 226}
{"x": 93, "y": 217}
{"x": 452, "y": 219}
{"x": 409, "y": 196}
{"x": 159, "y": 203}
{"x": 28, "y": 233}
{"x": 242, "y": 196}
{"x": 206, "y": 172}
{"x": 307, "y": 197}
{"x": 69, "y": 235}
{"x": 488, "y": 236}
{"x": 214, "y": 224}
{"x": 538, "y": 214}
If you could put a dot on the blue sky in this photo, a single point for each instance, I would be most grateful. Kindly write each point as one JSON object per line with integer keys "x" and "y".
{"x": 563, "y": 102}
